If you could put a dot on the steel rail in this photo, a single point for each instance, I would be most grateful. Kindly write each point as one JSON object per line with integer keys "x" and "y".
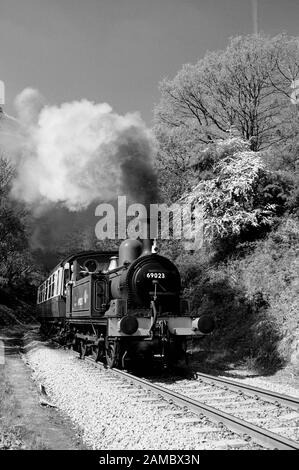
{"x": 262, "y": 436}
{"x": 267, "y": 395}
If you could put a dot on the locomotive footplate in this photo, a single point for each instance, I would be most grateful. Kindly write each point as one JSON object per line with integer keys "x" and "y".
{"x": 178, "y": 326}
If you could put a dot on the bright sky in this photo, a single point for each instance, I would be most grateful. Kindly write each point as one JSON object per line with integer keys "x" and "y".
{"x": 118, "y": 50}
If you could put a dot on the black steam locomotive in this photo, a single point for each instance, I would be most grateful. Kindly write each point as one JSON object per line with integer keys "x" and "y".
{"x": 120, "y": 306}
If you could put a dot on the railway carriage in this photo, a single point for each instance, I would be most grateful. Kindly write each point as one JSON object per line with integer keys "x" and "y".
{"x": 120, "y": 306}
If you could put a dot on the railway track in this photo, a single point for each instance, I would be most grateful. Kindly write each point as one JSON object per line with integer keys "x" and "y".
{"x": 266, "y": 416}
{"x": 267, "y": 395}
{"x": 225, "y": 413}
{"x": 199, "y": 405}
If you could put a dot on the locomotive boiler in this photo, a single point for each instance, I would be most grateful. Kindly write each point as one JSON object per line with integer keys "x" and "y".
{"x": 120, "y": 307}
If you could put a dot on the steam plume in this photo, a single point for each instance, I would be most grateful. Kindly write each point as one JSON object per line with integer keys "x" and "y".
{"x": 78, "y": 153}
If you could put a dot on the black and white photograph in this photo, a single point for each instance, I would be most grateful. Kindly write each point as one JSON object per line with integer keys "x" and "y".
{"x": 149, "y": 232}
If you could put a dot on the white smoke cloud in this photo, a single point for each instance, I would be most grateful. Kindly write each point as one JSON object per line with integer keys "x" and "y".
{"x": 78, "y": 153}
{"x": 29, "y": 104}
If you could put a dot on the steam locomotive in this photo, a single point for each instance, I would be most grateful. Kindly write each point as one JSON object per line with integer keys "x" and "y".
{"x": 120, "y": 306}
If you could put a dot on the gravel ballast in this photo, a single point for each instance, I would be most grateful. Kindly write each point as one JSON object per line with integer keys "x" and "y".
{"x": 114, "y": 415}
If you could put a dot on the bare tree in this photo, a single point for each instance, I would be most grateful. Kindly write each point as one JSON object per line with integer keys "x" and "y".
{"x": 246, "y": 87}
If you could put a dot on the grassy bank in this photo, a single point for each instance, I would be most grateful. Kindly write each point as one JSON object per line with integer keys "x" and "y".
{"x": 13, "y": 435}
{"x": 13, "y": 423}
{"x": 10, "y": 435}
{"x": 15, "y": 309}
{"x": 254, "y": 296}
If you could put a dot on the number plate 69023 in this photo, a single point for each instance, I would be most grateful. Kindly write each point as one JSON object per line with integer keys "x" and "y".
{"x": 155, "y": 275}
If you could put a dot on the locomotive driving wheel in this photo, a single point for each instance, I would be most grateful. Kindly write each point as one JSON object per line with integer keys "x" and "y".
{"x": 112, "y": 353}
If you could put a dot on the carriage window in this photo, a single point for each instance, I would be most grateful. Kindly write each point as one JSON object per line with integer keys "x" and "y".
{"x": 52, "y": 286}
{"x": 56, "y": 283}
{"x": 59, "y": 282}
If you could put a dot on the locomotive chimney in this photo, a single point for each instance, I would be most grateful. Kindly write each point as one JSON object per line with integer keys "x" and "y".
{"x": 147, "y": 243}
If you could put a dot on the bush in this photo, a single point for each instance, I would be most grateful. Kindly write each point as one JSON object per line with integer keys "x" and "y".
{"x": 254, "y": 297}
{"x": 243, "y": 195}
{"x": 270, "y": 274}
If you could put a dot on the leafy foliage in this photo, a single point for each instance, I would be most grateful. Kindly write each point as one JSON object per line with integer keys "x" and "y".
{"x": 12, "y": 233}
{"x": 242, "y": 194}
{"x": 16, "y": 265}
